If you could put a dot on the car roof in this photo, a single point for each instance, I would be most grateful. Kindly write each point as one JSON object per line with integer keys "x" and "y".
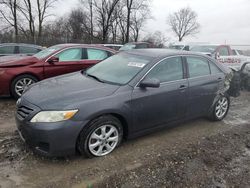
{"x": 66, "y": 45}
{"x": 160, "y": 52}
{"x": 21, "y": 44}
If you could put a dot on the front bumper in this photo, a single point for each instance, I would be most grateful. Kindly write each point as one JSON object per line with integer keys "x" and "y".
{"x": 49, "y": 139}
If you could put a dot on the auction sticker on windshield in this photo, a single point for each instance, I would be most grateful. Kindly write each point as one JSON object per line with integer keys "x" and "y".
{"x": 135, "y": 64}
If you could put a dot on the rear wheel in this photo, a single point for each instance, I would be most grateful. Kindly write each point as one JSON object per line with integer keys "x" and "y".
{"x": 220, "y": 108}
{"x": 100, "y": 137}
{"x": 20, "y": 83}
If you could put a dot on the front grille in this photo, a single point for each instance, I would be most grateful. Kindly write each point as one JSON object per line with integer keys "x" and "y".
{"x": 23, "y": 112}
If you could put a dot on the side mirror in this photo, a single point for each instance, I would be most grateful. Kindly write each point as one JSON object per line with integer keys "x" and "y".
{"x": 53, "y": 60}
{"x": 154, "y": 83}
{"x": 217, "y": 55}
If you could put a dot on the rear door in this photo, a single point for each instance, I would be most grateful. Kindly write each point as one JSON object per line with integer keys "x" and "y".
{"x": 205, "y": 79}
{"x": 152, "y": 107}
{"x": 94, "y": 56}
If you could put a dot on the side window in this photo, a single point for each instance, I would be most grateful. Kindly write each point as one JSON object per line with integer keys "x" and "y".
{"x": 197, "y": 67}
{"x": 7, "y": 50}
{"x": 234, "y": 52}
{"x": 27, "y": 50}
{"x": 168, "y": 70}
{"x": 73, "y": 54}
{"x": 214, "y": 69}
{"x": 223, "y": 51}
{"x": 95, "y": 54}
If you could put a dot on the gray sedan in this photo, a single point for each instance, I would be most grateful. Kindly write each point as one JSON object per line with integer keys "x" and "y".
{"x": 125, "y": 96}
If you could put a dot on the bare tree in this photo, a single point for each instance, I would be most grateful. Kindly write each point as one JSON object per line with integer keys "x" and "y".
{"x": 139, "y": 18}
{"x": 184, "y": 23}
{"x": 28, "y": 13}
{"x": 9, "y": 12}
{"x": 42, "y": 9}
{"x": 129, "y": 4}
{"x": 134, "y": 6}
{"x": 56, "y": 32}
{"x": 89, "y": 11}
{"x": 158, "y": 39}
{"x": 104, "y": 15}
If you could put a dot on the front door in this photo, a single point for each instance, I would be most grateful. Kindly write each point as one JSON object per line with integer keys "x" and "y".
{"x": 153, "y": 107}
{"x": 70, "y": 60}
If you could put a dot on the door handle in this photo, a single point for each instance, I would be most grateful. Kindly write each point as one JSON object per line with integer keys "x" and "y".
{"x": 219, "y": 79}
{"x": 183, "y": 87}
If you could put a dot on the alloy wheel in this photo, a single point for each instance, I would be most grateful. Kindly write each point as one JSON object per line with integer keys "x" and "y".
{"x": 22, "y": 84}
{"x": 103, "y": 140}
{"x": 221, "y": 107}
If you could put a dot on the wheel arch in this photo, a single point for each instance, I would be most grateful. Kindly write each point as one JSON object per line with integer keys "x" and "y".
{"x": 24, "y": 73}
{"x": 120, "y": 117}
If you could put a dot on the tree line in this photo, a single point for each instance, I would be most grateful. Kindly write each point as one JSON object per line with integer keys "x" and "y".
{"x": 93, "y": 21}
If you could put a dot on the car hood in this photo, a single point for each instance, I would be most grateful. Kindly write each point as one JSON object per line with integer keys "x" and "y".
{"x": 67, "y": 91}
{"x": 17, "y": 61}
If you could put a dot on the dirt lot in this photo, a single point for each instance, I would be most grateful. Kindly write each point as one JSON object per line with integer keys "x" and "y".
{"x": 195, "y": 154}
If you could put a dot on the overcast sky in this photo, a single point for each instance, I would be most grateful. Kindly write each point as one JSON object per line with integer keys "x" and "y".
{"x": 221, "y": 20}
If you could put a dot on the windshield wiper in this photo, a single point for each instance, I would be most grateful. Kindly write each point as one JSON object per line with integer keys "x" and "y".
{"x": 96, "y": 78}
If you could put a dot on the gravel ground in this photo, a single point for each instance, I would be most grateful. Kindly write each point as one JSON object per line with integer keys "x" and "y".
{"x": 222, "y": 160}
{"x": 199, "y": 153}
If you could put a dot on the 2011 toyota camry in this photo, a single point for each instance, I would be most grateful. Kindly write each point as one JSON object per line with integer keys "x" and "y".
{"x": 126, "y": 95}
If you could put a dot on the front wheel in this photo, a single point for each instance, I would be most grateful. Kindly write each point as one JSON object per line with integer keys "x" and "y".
{"x": 220, "y": 108}
{"x": 20, "y": 83}
{"x": 100, "y": 137}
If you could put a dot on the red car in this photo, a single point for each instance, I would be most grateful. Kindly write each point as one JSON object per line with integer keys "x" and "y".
{"x": 17, "y": 74}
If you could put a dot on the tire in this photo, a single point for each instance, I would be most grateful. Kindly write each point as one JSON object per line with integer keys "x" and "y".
{"x": 92, "y": 142}
{"x": 220, "y": 108}
{"x": 20, "y": 83}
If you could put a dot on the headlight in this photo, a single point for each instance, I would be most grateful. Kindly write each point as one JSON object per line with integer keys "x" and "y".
{"x": 53, "y": 116}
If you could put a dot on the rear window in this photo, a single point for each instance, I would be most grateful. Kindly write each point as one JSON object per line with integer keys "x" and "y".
{"x": 96, "y": 54}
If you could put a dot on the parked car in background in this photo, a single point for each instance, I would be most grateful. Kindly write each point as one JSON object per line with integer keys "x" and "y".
{"x": 113, "y": 46}
{"x": 16, "y": 75}
{"x": 237, "y": 52}
{"x": 230, "y": 58}
{"x": 136, "y": 45}
{"x": 129, "y": 94}
{"x": 180, "y": 46}
{"x": 223, "y": 53}
{"x": 17, "y": 49}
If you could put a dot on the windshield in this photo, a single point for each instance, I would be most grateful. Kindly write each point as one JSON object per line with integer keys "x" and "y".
{"x": 128, "y": 47}
{"x": 118, "y": 69}
{"x": 44, "y": 53}
{"x": 240, "y": 52}
{"x": 208, "y": 48}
